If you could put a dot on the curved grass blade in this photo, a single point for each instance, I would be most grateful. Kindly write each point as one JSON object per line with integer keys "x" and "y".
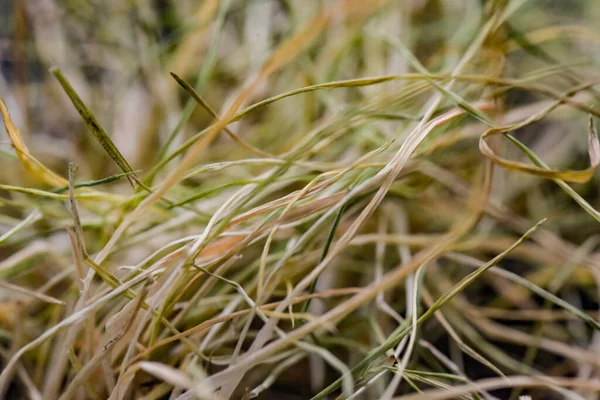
{"x": 30, "y": 163}
{"x": 580, "y": 176}
{"x": 562, "y": 184}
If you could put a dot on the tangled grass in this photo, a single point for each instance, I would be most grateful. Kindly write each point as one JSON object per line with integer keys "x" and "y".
{"x": 389, "y": 199}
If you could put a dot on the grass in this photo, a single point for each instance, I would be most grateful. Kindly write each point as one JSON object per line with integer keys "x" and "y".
{"x": 348, "y": 199}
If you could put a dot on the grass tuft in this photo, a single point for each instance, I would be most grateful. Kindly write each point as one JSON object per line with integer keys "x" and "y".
{"x": 345, "y": 200}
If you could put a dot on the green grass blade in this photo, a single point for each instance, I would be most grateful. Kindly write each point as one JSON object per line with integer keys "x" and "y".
{"x": 94, "y": 126}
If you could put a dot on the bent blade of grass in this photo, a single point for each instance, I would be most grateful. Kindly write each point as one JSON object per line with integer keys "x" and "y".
{"x": 31, "y": 164}
{"x": 580, "y": 176}
{"x": 94, "y": 126}
{"x": 561, "y": 183}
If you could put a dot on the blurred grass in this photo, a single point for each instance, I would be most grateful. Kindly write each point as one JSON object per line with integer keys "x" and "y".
{"x": 297, "y": 199}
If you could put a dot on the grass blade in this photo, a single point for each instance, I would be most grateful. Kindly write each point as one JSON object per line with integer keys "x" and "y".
{"x": 94, "y": 127}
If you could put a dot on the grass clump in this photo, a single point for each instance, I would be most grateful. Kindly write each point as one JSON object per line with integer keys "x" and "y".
{"x": 268, "y": 199}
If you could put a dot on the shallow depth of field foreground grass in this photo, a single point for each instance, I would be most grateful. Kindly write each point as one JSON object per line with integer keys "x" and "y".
{"x": 300, "y": 199}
